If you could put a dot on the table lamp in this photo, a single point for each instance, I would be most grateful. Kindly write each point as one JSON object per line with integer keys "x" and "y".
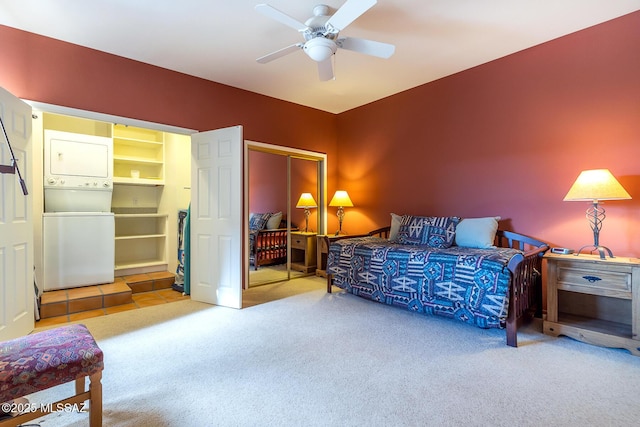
{"x": 340, "y": 199}
{"x": 306, "y": 201}
{"x": 593, "y": 186}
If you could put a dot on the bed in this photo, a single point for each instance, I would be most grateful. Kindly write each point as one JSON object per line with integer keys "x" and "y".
{"x": 491, "y": 281}
{"x": 267, "y": 239}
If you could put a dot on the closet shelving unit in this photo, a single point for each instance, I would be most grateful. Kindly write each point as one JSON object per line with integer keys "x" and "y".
{"x": 138, "y": 150}
{"x": 140, "y": 241}
{"x": 141, "y": 231}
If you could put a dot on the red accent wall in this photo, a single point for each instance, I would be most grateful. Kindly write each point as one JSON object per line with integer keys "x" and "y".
{"x": 268, "y": 186}
{"x": 51, "y": 71}
{"x": 507, "y": 138}
{"x": 267, "y": 182}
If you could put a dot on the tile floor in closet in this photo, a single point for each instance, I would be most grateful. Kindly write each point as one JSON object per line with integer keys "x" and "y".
{"x": 125, "y": 293}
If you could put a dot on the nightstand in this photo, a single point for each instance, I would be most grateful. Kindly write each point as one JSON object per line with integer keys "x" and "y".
{"x": 303, "y": 251}
{"x": 594, "y": 300}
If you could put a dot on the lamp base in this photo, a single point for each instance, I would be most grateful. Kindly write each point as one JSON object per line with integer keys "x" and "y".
{"x": 340, "y": 219}
{"x": 601, "y": 251}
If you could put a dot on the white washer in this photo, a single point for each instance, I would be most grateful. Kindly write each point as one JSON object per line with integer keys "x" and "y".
{"x": 79, "y": 249}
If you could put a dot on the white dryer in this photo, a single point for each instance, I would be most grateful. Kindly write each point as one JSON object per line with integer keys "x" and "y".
{"x": 78, "y": 172}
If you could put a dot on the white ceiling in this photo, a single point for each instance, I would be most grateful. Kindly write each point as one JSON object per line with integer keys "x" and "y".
{"x": 219, "y": 40}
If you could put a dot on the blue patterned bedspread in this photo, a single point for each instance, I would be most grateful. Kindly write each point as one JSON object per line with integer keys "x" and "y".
{"x": 471, "y": 285}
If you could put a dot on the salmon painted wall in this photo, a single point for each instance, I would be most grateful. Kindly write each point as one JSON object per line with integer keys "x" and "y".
{"x": 304, "y": 179}
{"x": 267, "y": 182}
{"x": 507, "y": 138}
{"x": 46, "y": 70}
{"x": 268, "y": 186}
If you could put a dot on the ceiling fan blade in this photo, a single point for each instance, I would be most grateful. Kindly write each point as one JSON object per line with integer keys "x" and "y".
{"x": 325, "y": 70}
{"x": 349, "y": 12}
{"x": 279, "y": 53}
{"x": 368, "y": 47}
{"x": 283, "y": 18}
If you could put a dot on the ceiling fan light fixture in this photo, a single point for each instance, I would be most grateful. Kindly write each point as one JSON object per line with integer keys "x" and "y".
{"x": 321, "y": 35}
{"x": 320, "y": 49}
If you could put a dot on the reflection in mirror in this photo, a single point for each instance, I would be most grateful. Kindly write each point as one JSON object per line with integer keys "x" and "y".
{"x": 304, "y": 193}
{"x": 304, "y": 180}
{"x": 276, "y": 182}
{"x": 267, "y": 218}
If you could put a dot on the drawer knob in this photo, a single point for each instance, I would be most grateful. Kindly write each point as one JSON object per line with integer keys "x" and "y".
{"x": 591, "y": 279}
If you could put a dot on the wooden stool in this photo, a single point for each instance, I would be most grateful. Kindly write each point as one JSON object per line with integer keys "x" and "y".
{"x": 47, "y": 359}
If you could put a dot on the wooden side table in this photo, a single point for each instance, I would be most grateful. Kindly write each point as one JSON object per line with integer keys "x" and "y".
{"x": 594, "y": 300}
{"x": 303, "y": 251}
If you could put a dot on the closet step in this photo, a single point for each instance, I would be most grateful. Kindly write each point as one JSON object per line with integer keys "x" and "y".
{"x": 69, "y": 301}
{"x": 146, "y": 282}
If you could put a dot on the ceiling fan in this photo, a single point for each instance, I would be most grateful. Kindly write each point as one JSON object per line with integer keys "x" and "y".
{"x": 321, "y": 34}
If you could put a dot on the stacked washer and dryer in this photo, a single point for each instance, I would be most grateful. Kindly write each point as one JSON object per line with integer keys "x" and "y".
{"x": 78, "y": 226}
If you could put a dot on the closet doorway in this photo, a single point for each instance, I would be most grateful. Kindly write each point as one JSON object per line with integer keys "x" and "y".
{"x": 275, "y": 178}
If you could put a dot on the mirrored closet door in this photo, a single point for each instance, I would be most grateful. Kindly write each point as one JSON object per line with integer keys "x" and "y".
{"x": 285, "y": 195}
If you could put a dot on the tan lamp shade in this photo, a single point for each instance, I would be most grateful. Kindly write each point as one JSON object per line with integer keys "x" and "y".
{"x": 341, "y": 198}
{"x": 596, "y": 184}
{"x": 306, "y": 201}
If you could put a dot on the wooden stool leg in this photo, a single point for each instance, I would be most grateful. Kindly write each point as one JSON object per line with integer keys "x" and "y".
{"x": 80, "y": 385}
{"x": 95, "y": 403}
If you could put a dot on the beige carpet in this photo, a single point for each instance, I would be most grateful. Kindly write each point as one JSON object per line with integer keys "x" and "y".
{"x": 271, "y": 273}
{"x": 315, "y": 359}
{"x": 261, "y": 293}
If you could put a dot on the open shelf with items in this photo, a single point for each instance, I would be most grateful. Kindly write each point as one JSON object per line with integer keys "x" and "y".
{"x": 138, "y": 156}
{"x": 140, "y": 242}
{"x": 594, "y": 300}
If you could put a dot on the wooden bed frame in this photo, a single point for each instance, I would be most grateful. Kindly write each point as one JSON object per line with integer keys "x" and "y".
{"x": 525, "y": 293}
{"x": 270, "y": 246}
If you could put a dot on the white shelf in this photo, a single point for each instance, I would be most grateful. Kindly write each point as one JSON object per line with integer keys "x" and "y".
{"x": 142, "y": 215}
{"x": 135, "y": 142}
{"x": 141, "y": 150}
{"x": 132, "y": 160}
{"x": 141, "y": 238}
{"x": 138, "y": 181}
{"x": 140, "y": 264}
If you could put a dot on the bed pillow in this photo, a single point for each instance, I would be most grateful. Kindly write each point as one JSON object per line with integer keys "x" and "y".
{"x": 395, "y": 226}
{"x": 258, "y": 221}
{"x": 433, "y": 231}
{"x": 274, "y": 220}
{"x": 477, "y": 232}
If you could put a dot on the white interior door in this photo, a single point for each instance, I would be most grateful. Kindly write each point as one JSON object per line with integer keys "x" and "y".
{"x": 17, "y": 301}
{"x": 216, "y": 217}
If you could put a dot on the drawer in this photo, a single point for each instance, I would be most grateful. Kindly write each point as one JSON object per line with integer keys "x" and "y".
{"x": 615, "y": 281}
{"x": 298, "y": 242}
